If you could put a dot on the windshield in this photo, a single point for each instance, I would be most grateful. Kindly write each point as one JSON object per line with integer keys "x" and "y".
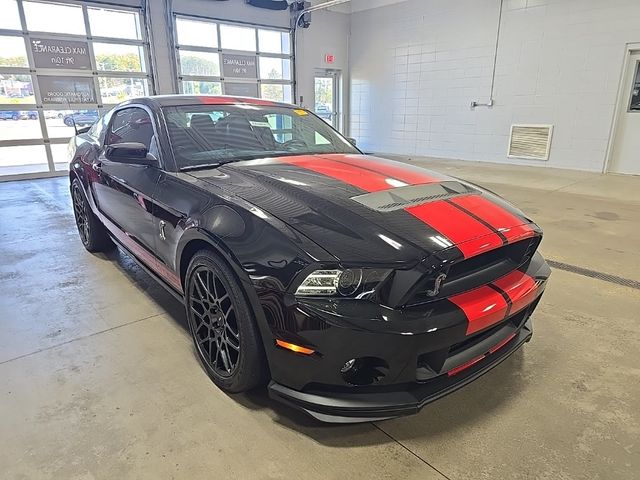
{"x": 208, "y": 135}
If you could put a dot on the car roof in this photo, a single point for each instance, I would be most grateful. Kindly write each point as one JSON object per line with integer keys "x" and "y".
{"x": 180, "y": 99}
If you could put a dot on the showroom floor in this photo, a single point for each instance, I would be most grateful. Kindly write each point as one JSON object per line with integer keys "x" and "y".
{"x": 99, "y": 378}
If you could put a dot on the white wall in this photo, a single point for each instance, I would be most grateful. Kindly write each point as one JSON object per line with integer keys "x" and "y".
{"x": 417, "y": 65}
{"x": 328, "y": 34}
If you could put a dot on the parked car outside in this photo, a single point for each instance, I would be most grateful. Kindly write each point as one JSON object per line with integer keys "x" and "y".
{"x": 9, "y": 115}
{"x": 81, "y": 118}
{"x": 324, "y": 112}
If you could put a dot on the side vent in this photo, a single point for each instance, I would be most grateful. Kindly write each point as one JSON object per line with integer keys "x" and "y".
{"x": 530, "y": 141}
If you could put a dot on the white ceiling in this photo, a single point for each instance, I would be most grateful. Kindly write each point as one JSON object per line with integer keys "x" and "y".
{"x": 358, "y": 5}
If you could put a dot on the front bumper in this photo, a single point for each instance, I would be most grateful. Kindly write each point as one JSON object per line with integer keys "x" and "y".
{"x": 409, "y": 356}
{"x": 353, "y": 407}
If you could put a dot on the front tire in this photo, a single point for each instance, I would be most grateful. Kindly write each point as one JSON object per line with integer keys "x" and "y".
{"x": 93, "y": 234}
{"x": 222, "y": 325}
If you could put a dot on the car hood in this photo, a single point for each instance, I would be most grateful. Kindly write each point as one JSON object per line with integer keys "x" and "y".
{"x": 369, "y": 210}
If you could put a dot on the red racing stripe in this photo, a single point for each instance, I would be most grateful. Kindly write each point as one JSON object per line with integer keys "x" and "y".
{"x": 398, "y": 172}
{"x": 483, "y": 307}
{"x": 512, "y": 227}
{"x": 470, "y": 236}
{"x": 352, "y": 175}
{"x": 520, "y": 287}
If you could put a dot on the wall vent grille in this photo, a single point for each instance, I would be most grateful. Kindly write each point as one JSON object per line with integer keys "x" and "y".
{"x": 530, "y": 141}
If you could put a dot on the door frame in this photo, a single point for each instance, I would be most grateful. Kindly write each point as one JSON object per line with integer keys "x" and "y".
{"x": 338, "y": 104}
{"x": 621, "y": 104}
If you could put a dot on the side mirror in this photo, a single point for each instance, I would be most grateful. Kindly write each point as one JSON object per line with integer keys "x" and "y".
{"x": 352, "y": 141}
{"x": 129, "y": 152}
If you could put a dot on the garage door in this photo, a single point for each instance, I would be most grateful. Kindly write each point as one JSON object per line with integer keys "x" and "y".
{"x": 215, "y": 57}
{"x": 62, "y": 64}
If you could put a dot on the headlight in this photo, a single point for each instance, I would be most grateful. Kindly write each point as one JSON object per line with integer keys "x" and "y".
{"x": 356, "y": 283}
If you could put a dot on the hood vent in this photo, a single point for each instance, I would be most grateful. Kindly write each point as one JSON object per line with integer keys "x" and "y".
{"x": 531, "y": 142}
{"x": 412, "y": 195}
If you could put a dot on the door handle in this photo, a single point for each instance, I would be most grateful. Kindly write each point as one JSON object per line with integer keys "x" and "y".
{"x": 97, "y": 166}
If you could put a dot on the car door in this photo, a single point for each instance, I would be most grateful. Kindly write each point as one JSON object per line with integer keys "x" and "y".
{"x": 123, "y": 191}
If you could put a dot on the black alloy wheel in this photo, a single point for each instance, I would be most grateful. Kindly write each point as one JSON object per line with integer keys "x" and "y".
{"x": 92, "y": 233}
{"x": 222, "y": 325}
{"x": 215, "y": 322}
{"x": 80, "y": 211}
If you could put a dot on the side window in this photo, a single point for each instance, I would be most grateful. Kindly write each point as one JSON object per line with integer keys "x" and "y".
{"x": 98, "y": 129}
{"x": 130, "y": 125}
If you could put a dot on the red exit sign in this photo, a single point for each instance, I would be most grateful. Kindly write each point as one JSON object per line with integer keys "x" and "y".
{"x": 329, "y": 58}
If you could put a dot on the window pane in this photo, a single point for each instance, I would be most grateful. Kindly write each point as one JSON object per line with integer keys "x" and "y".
{"x": 238, "y": 38}
{"x": 275, "y": 68}
{"x": 60, "y": 122}
{"x": 196, "y": 33}
{"x": 202, "y": 88}
{"x": 635, "y": 92}
{"x": 23, "y": 159}
{"x": 119, "y": 58}
{"x": 116, "y": 90}
{"x": 13, "y": 52}
{"x": 60, "y": 154}
{"x": 10, "y": 19}
{"x": 271, "y": 41}
{"x": 19, "y": 124}
{"x": 199, "y": 63}
{"x": 16, "y": 89}
{"x": 276, "y": 93}
{"x": 131, "y": 125}
{"x": 114, "y": 23}
{"x": 50, "y": 17}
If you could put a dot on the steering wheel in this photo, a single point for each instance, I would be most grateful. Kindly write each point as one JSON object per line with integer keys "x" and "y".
{"x": 295, "y": 143}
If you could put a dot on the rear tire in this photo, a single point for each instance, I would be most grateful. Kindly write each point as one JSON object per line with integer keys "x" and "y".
{"x": 93, "y": 233}
{"x": 222, "y": 325}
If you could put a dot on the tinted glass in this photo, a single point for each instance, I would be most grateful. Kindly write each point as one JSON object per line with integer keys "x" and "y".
{"x": 130, "y": 125}
{"x": 213, "y": 134}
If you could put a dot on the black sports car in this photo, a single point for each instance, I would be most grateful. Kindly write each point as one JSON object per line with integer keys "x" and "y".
{"x": 360, "y": 288}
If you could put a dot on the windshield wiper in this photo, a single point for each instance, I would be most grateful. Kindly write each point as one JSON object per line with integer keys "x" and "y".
{"x": 204, "y": 166}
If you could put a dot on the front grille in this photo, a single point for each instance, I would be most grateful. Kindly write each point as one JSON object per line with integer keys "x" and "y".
{"x": 473, "y": 272}
{"x": 433, "y": 364}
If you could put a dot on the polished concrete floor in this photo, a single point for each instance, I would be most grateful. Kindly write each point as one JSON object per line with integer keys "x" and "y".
{"x": 98, "y": 378}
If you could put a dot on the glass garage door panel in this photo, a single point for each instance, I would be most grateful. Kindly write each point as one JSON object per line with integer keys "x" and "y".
{"x": 23, "y": 159}
{"x": 199, "y": 63}
{"x": 19, "y": 125}
{"x": 10, "y": 18}
{"x": 113, "y": 57}
{"x": 114, "y": 23}
{"x": 13, "y": 52}
{"x": 54, "y": 18}
{"x": 60, "y": 153}
{"x": 214, "y": 57}
{"x": 196, "y": 33}
{"x": 194, "y": 87}
{"x": 101, "y": 50}
{"x": 115, "y": 90}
